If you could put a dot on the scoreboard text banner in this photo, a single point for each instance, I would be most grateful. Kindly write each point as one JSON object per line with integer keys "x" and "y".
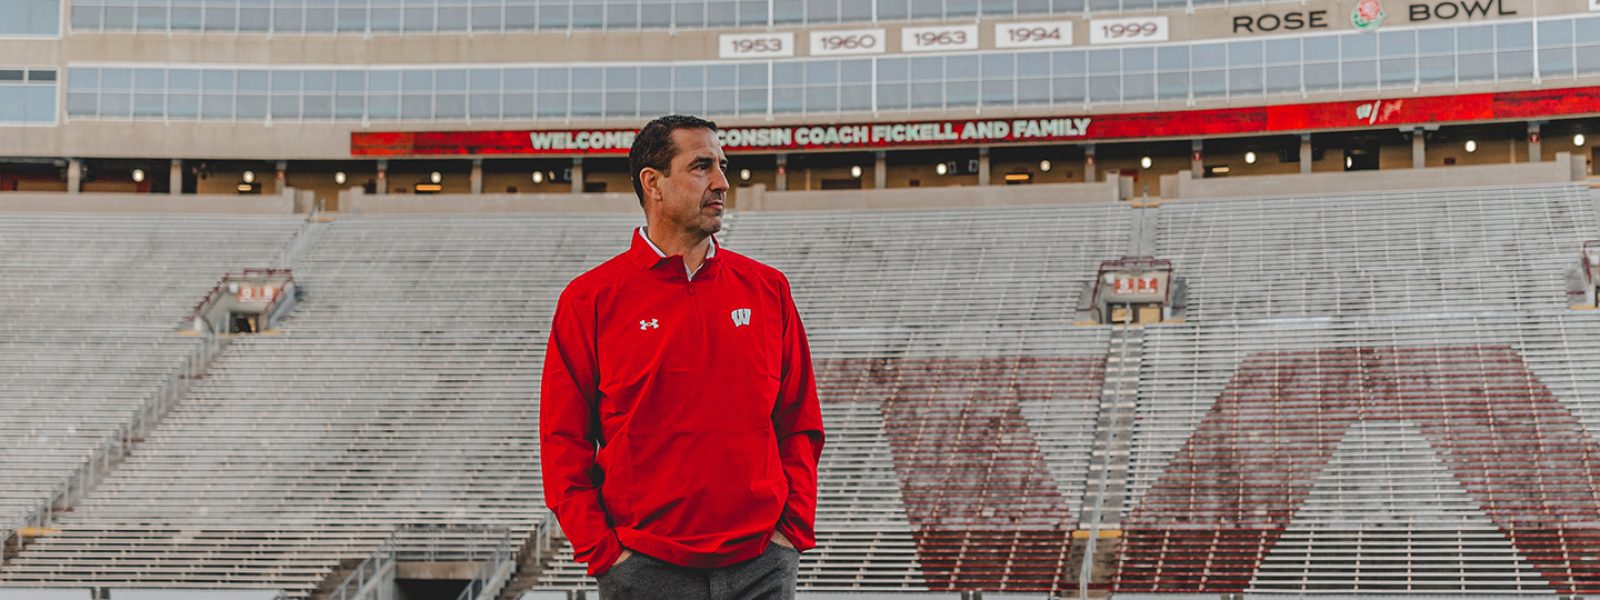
{"x": 1288, "y": 118}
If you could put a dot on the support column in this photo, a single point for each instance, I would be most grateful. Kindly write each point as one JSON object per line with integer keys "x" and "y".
{"x": 1305, "y": 153}
{"x": 382, "y": 184}
{"x": 175, "y": 177}
{"x": 1419, "y": 148}
{"x": 1088, "y": 163}
{"x": 880, "y": 170}
{"x": 477, "y": 176}
{"x": 1535, "y": 153}
{"x": 783, "y": 173}
{"x": 74, "y": 176}
{"x": 577, "y": 175}
{"x": 1197, "y": 162}
{"x": 983, "y": 165}
{"x": 280, "y": 177}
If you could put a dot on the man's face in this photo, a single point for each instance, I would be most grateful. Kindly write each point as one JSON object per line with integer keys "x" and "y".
{"x": 696, "y": 187}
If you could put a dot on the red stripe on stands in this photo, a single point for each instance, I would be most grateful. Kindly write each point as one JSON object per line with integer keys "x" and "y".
{"x": 986, "y": 512}
{"x": 1225, "y": 498}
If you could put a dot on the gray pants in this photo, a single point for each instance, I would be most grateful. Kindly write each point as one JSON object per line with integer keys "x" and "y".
{"x": 771, "y": 576}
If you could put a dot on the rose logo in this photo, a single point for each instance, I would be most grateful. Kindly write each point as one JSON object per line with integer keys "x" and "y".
{"x": 1368, "y": 15}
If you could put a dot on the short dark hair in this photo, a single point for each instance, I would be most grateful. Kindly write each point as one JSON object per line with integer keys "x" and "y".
{"x": 653, "y": 146}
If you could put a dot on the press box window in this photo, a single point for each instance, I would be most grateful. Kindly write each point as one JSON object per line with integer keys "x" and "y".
{"x": 30, "y": 18}
{"x": 27, "y": 96}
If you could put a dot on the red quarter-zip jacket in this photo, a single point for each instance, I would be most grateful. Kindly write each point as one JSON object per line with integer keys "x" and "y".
{"x": 678, "y": 416}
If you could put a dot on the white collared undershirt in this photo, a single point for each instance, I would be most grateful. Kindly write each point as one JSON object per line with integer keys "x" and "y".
{"x": 690, "y": 274}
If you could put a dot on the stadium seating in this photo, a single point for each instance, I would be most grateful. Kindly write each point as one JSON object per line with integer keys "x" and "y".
{"x": 1383, "y": 393}
{"x": 1497, "y": 249}
{"x": 937, "y": 270}
{"x": 1358, "y": 373}
{"x": 90, "y": 304}
{"x": 401, "y": 393}
{"x": 1273, "y": 457}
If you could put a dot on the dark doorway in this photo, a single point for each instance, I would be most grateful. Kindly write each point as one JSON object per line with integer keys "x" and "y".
{"x": 429, "y": 589}
{"x": 1362, "y": 157}
{"x": 241, "y": 323}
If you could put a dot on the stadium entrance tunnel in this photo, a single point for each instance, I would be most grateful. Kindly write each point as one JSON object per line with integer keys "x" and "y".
{"x": 248, "y": 302}
{"x": 428, "y": 589}
{"x": 1133, "y": 291}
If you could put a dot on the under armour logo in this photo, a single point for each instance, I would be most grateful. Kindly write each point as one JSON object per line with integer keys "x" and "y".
{"x": 651, "y": 324}
{"x": 741, "y": 317}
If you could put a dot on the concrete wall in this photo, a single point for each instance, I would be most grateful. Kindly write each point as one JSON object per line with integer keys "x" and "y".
{"x": 947, "y": 197}
{"x": 1565, "y": 168}
{"x": 147, "y": 203}
{"x": 355, "y": 202}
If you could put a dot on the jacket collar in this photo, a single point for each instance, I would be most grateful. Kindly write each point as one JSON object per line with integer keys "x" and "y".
{"x": 644, "y": 253}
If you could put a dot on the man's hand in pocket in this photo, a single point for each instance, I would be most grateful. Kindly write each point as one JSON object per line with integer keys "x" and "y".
{"x": 626, "y": 554}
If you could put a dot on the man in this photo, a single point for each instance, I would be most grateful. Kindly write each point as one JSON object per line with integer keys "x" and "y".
{"x": 679, "y": 424}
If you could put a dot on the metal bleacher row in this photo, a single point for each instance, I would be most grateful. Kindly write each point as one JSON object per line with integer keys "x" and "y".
{"x": 1494, "y": 249}
{"x": 1380, "y": 393}
{"x": 1376, "y": 394}
{"x": 399, "y": 393}
{"x": 88, "y": 307}
{"x": 1449, "y": 454}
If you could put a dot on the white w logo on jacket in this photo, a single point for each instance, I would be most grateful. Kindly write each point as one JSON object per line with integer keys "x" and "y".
{"x": 741, "y": 317}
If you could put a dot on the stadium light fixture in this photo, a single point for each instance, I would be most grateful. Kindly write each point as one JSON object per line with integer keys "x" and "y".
{"x": 1472, "y": 146}
{"x": 1250, "y": 157}
{"x": 249, "y": 176}
{"x": 1146, "y": 162}
{"x": 436, "y": 177}
{"x": 138, "y": 175}
{"x": 855, "y": 171}
{"x": 339, "y": 178}
{"x": 941, "y": 168}
{"x": 1044, "y": 166}
{"x": 538, "y": 176}
{"x": 744, "y": 174}
{"x": 1579, "y": 140}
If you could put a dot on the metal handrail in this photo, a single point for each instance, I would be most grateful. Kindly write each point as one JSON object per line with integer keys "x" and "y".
{"x": 297, "y": 242}
{"x": 78, "y": 483}
{"x": 370, "y": 569}
{"x": 544, "y": 536}
{"x": 503, "y": 554}
{"x": 1121, "y": 347}
{"x": 5, "y": 538}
